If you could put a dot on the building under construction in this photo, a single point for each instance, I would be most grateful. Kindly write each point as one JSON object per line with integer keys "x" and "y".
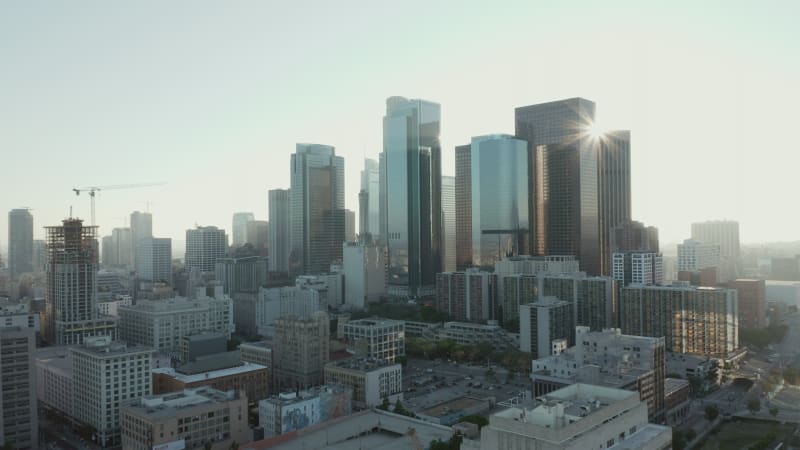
{"x": 72, "y": 285}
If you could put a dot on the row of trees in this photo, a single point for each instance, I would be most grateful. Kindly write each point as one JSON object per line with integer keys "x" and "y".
{"x": 761, "y": 338}
{"x": 402, "y": 311}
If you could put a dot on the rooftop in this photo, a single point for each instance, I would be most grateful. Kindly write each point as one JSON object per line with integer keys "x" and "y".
{"x": 168, "y": 404}
{"x": 362, "y": 364}
{"x": 456, "y": 404}
{"x": 672, "y": 385}
{"x": 375, "y": 322}
{"x": 207, "y": 363}
{"x": 193, "y": 378}
{"x": 105, "y": 347}
{"x": 288, "y": 398}
{"x": 168, "y": 305}
{"x": 205, "y": 336}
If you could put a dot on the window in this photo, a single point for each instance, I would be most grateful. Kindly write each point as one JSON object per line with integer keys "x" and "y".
{"x": 610, "y": 443}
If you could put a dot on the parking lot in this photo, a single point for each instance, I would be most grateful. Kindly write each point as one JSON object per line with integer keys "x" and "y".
{"x": 427, "y": 383}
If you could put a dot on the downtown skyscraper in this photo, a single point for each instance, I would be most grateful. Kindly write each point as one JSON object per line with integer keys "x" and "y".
{"x": 316, "y": 206}
{"x": 20, "y": 242}
{"x": 411, "y": 210}
{"x": 278, "y": 230}
{"x": 579, "y": 181}
{"x": 492, "y": 191}
{"x": 369, "y": 199}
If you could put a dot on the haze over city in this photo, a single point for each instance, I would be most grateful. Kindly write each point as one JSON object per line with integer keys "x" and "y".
{"x": 211, "y": 98}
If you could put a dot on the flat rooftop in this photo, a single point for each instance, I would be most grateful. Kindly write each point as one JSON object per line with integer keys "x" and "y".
{"x": 375, "y": 322}
{"x": 193, "y": 378}
{"x": 362, "y": 364}
{"x": 456, "y": 404}
{"x": 169, "y": 404}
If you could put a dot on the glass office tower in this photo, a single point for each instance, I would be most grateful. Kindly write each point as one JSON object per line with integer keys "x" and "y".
{"x": 316, "y": 197}
{"x": 411, "y": 212}
{"x": 498, "y": 197}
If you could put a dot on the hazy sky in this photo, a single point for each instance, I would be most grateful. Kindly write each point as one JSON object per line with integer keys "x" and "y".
{"x": 212, "y": 96}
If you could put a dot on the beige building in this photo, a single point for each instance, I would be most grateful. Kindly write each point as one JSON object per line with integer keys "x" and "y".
{"x": 302, "y": 347}
{"x": 105, "y": 375}
{"x": 189, "y": 419}
{"x": 380, "y": 338}
{"x": 54, "y": 379}
{"x": 257, "y": 353}
{"x": 577, "y": 417}
{"x": 371, "y": 380}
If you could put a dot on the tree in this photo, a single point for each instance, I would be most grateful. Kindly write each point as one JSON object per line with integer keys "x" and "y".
{"x": 480, "y": 421}
{"x": 678, "y": 439}
{"x": 773, "y": 411}
{"x": 690, "y": 434}
{"x": 400, "y": 409}
{"x": 385, "y": 404}
{"x": 8, "y": 446}
{"x": 233, "y": 343}
{"x": 754, "y": 405}
{"x": 712, "y": 412}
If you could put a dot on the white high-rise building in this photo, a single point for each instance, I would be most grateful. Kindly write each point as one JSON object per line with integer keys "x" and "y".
{"x": 364, "y": 270}
{"x": 384, "y": 339}
{"x": 725, "y": 233}
{"x": 204, "y": 246}
{"x": 106, "y": 375}
{"x": 638, "y": 268}
{"x": 695, "y": 255}
{"x": 141, "y": 227}
{"x": 240, "y": 220}
{"x": 449, "y": 223}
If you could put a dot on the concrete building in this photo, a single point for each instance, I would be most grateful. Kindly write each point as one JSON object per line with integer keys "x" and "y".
{"x": 785, "y": 292}
{"x": 39, "y": 256}
{"x": 364, "y": 268}
{"x": 110, "y": 307}
{"x": 189, "y": 419}
{"x": 222, "y": 371}
{"x": 239, "y": 227}
{"x": 466, "y": 333}
{"x": 380, "y": 339}
{"x": 245, "y": 274}
{"x": 593, "y": 299}
{"x": 119, "y": 249}
{"x": 19, "y": 315}
{"x": 576, "y": 417}
{"x": 292, "y": 411}
{"x": 255, "y": 314}
{"x": 302, "y": 348}
{"x": 638, "y": 268}
{"x": 467, "y": 296}
{"x": 543, "y": 322}
{"x": 369, "y": 211}
{"x": 533, "y": 265}
{"x": 19, "y": 424}
{"x": 20, "y": 242}
{"x": 701, "y": 321}
{"x": 258, "y": 236}
{"x": 752, "y": 296}
{"x": 154, "y": 260}
{"x": 448, "y": 412}
{"x": 382, "y": 429}
{"x": 611, "y": 359}
{"x": 279, "y": 230}
{"x": 105, "y": 375}
{"x": 201, "y": 344}
{"x": 449, "y": 224}
{"x": 161, "y": 324}
{"x": 317, "y": 220}
{"x": 564, "y": 179}
{"x": 497, "y": 190}
{"x": 257, "y": 353}
{"x": 676, "y": 400}
{"x": 724, "y": 233}
{"x": 372, "y": 381}
{"x": 694, "y": 256}
{"x": 204, "y": 247}
{"x": 410, "y": 189}
{"x": 71, "y": 295}
{"x": 54, "y": 379}
{"x": 632, "y": 236}
{"x": 329, "y": 286}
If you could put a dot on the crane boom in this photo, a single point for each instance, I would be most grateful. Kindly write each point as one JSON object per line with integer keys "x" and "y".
{"x": 91, "y": 190}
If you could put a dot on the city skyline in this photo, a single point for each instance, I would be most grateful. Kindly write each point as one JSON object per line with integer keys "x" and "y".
{"x": 220, "y": 120}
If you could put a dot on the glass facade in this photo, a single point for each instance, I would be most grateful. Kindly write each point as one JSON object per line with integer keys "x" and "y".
{"x": 370, "y": 185}
{"x": 563, "y": 184}
{"x": 499, "y": 174}
{"x": 316, "y": 197}
{"x": 449, "y": 224}
{"x": 410, "y": 175}
{"x": 614, "y": 201}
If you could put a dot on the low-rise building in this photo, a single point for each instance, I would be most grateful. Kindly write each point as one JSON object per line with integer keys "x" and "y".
{"x": 302, "y": 348}
{"x": 189, "y": 419}
{"x": 379, "y": 338}
{"x": 676, "y": 400}
{"x": 577, "y": 417}
{"x": 257, "y": 353}
{"x": 223, "y": 372}
{"x": 450, "y": 411}
{"x": 372, "y": 381}
{"x": 543, "y": 322}
{"x": 54, "y": 379}
{"x": 293, "y": 411}
{"x": 111, "y": 306}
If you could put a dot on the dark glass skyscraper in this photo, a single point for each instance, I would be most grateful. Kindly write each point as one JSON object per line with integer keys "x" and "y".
{"x": 563, "y": 165}
{"x": 614, "y": 200}
{"x": 316, "y": 202}
{"x": 411, "y": 212}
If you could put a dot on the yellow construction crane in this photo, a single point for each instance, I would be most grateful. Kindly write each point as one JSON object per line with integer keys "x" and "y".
{"x": 92, "y": 190}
